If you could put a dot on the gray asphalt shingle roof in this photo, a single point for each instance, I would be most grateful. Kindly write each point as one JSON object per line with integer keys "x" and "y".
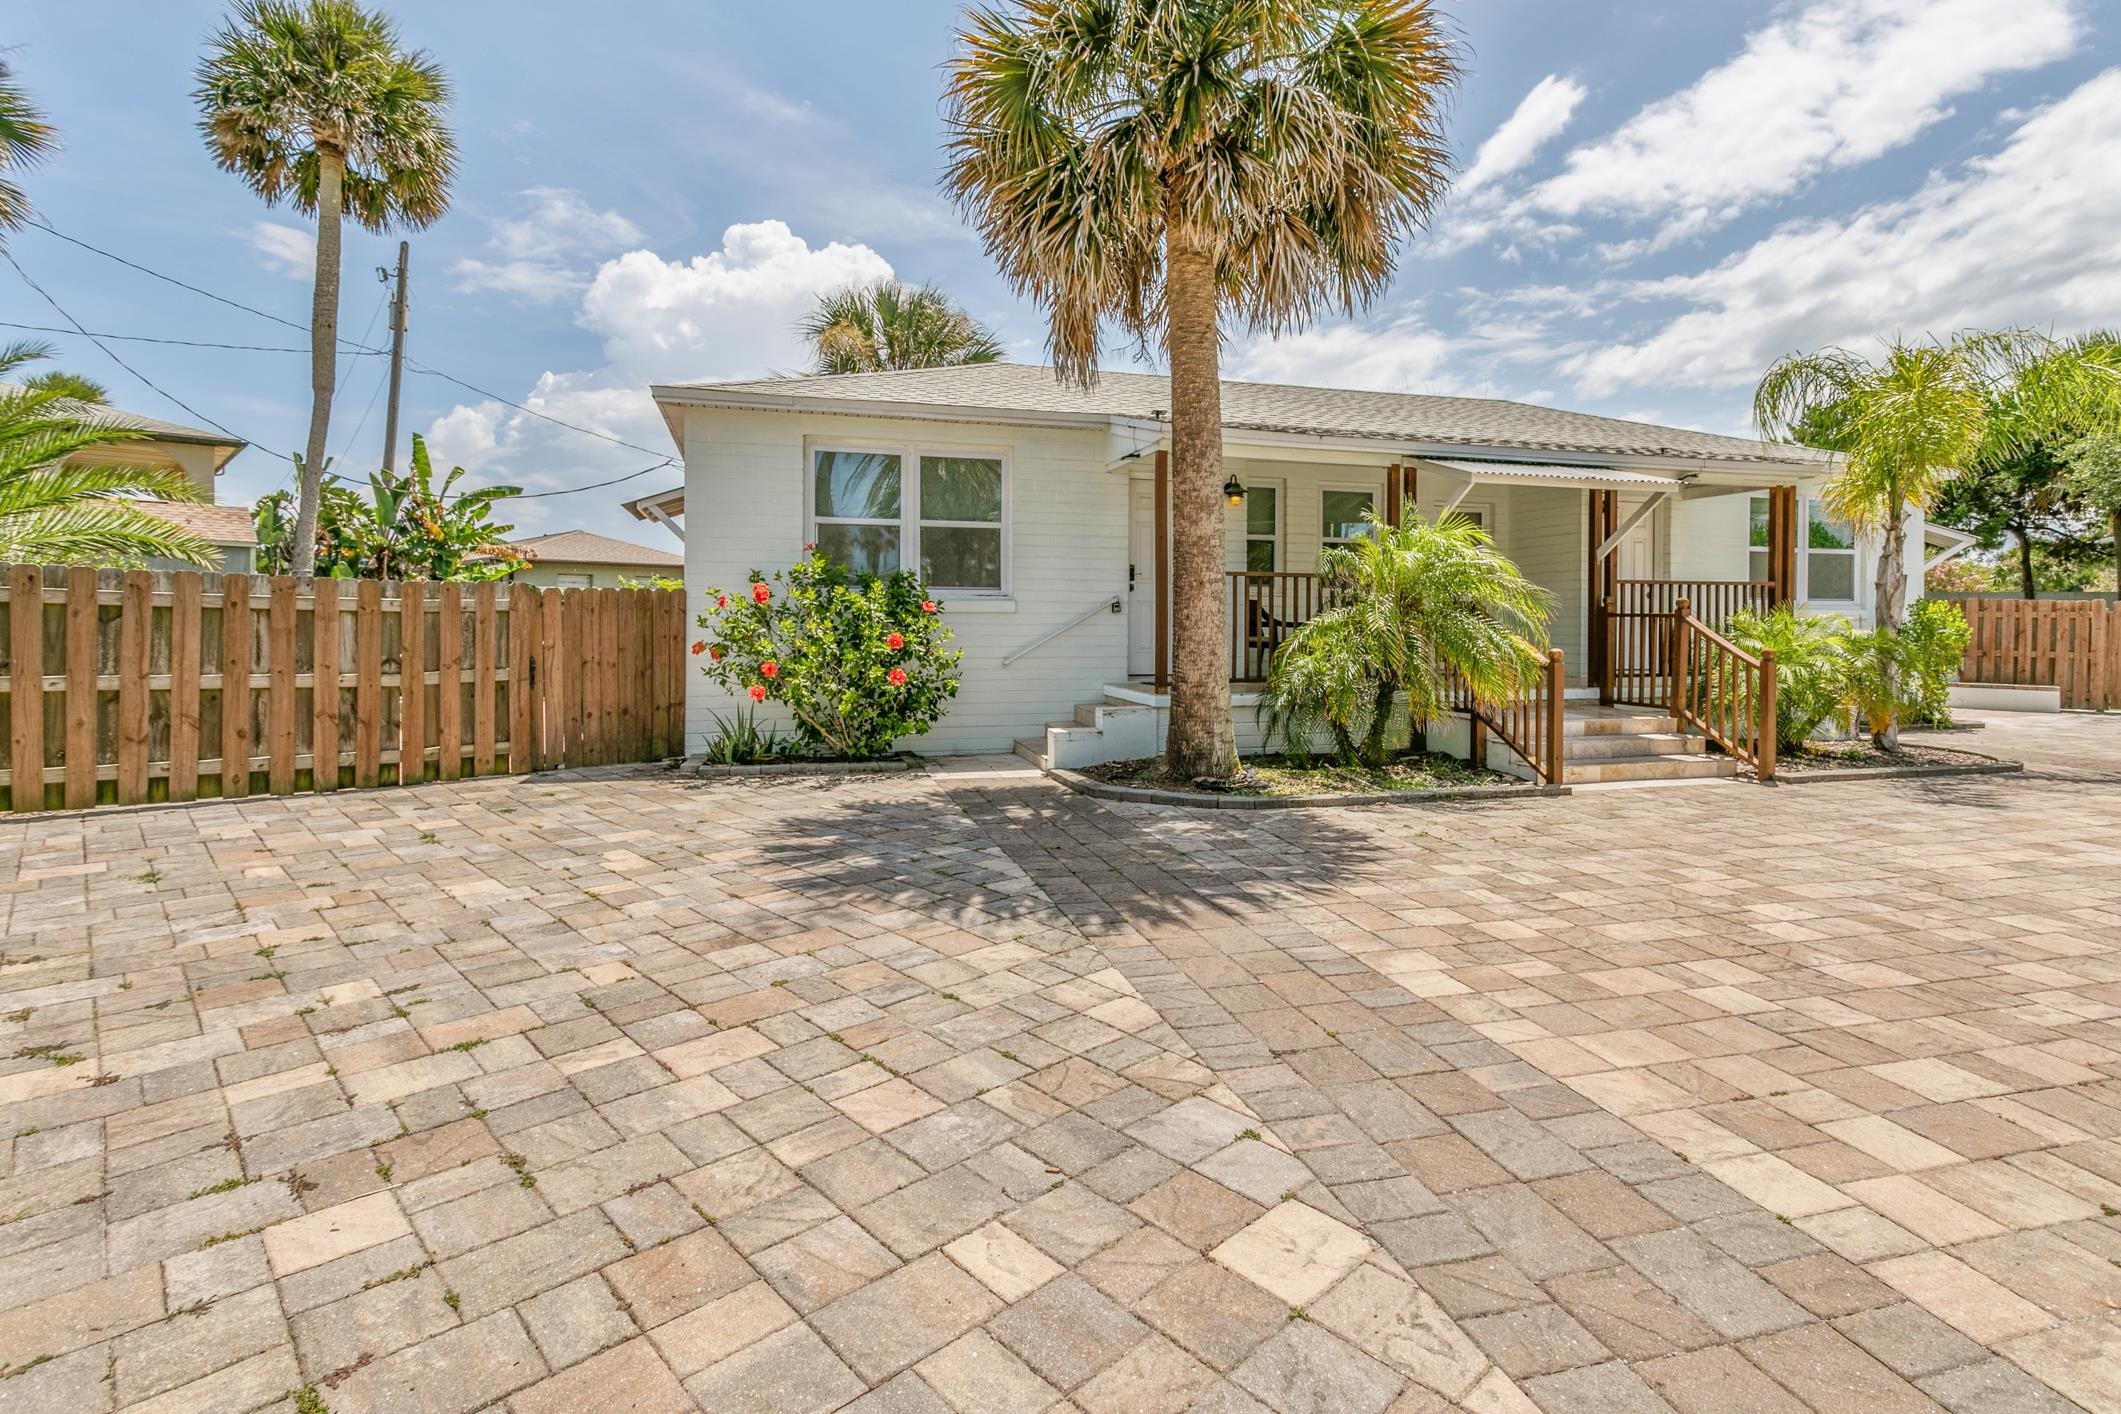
{"x": 1269, "y": 407}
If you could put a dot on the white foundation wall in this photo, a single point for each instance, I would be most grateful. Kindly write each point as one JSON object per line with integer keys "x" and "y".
{"x": 1066, "y": 550}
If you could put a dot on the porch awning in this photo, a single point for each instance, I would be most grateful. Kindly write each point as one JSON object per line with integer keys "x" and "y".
{"x": 1552, "y": 474}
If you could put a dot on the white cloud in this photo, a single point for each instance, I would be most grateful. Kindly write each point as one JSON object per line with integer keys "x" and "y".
{"x": 538, "y": 254}
{"x": 1401, "y": 356}
{"x": 1539, "y": 118}
{"x": 1831, "y": 85}
{"x": 287, "y": 250}
{"x": 727, "y": 314}
{"x": 2022, "y": 236}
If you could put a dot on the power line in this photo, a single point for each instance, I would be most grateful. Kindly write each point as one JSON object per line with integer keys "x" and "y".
{"x": 183, "y": 343}
{"x": 113, "y": 356}
{"x": 557, "y": 422}
{"x": 597, "y": 485}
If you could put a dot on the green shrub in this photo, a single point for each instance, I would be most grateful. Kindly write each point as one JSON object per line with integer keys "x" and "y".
{"x": 739, "y": 740}
{"x": 859, "y": 663}
{"x": 1811, "y": 667}
{"x": 1933, "y": 642}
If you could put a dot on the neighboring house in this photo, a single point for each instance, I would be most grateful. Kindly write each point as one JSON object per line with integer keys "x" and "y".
{"x": 227, "y": 528}
{"x": 581, "y": 559}
{"x": 1039, "y": 514}
{"x": 664, "y": 508}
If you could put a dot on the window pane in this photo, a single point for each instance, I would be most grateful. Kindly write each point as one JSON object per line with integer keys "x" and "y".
{"x": 1759, "y": 524}
{"x": 1832, "y": 576}
{"x": 1757, "y": 569}
{"x": 961, "y": 558}
{"x": 1826, "y": 532}
{"x": 863, "y": 549}
{"x": 1261, "y": 516}
{"x": 859, "y": 484}
{"x": 1343, "y": 513}
{"x": 1259, "y": 555}
{"x": 961, "y": 488}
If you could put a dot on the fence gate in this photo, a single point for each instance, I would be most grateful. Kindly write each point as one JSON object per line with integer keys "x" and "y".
{"x": 122, "y": 687}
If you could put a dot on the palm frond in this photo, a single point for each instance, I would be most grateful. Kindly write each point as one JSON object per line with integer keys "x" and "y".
{"x": 104, "y": 533}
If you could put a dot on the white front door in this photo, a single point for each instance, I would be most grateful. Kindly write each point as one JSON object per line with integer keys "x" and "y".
{"x": 1638, "y": 553}
{"x": 1141, "y": 582}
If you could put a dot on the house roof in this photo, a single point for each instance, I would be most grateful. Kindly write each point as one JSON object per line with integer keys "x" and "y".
{"x": 584, "y": 547}
{"x": 670, "y": 503}
{"x": 154, "y": 428}
{"x": 216, "y": 524}
{"x": 992, "y": 391}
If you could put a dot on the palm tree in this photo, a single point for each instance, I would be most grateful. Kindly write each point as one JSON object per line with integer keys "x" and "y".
{"x": 73, "y": 386}
{"x": 1413, "y": 606}
{"x": 885, "y": 325}
{"x": 1163, "y": 162}
{"x": 58, "y": 505}
{"x": 25, "y": 138}
{"x": 1902, "y": 424}
{"x": 315, "y": 102}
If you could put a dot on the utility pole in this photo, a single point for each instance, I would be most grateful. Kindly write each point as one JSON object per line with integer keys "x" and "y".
{"x": 397, "y": 360}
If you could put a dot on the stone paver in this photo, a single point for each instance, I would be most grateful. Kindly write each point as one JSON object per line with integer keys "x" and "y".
{"x": 961, "y": 1092}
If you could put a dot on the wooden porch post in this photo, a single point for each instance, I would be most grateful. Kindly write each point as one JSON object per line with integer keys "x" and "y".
{"x": 1557, "y": 713}
{"x": 1782, "y": 543}
{"x": 1682, "y": 651}
{"x": 1161, "y": 550}
{"x": 1395, "y": 506}
{"x": 1600, "y": 580}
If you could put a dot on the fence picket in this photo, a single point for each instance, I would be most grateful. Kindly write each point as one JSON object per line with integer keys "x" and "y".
{"x": 368, "y": 683}
{"x": 324, "y": 691}
{"x": 483, "y": 655}
{"x": 235, "y": 685}
{"x": 186, "y": 644}
{"x": 281, "y": 616}
{"x": 135, "y": 628}
{"x": 26, "y": 688}
{"x": 412, "y": 684}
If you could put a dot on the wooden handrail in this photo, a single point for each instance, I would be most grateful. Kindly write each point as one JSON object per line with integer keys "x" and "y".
{"x": 1725, "y": 693}
{"x": 1266, "y": 606}
{"x": 1530, "y": 724}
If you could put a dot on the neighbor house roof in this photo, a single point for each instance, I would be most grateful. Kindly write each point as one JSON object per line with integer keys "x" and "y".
{"x": 155, "y": 429}
{"x": 1005, "y": 392}
{"x": 216, "y": 524}
{"x": 584, "y": 547}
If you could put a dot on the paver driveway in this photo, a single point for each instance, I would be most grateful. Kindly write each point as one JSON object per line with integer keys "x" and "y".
{"x": 622, "y": 1093}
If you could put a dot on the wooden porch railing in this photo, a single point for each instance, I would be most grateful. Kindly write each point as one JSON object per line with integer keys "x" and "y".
{"x": 1713, "y": 600}
{"x": 1265, "y": 608}
{"x": 1529, "y": 724}
{"x": 1676, "y": 663}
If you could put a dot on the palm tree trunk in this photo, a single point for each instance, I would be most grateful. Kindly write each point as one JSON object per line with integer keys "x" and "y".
{"x": 323, "y": 352}
{"x": 1201, "y": 740}
{"x": 1892, "y": 601}
{"x": 2026, "y": 587}
{"x": 2113, "y": 524}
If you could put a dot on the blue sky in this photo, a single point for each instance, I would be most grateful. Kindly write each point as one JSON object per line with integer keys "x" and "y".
{"x": 1657, "y": 198}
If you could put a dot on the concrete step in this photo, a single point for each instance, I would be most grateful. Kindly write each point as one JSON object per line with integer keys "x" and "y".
{"x": 1631, "y": 725}
{"x": 1606, "y": 748}
{"x": 1032, "y": 749}
{"x": 1648, "y": 768}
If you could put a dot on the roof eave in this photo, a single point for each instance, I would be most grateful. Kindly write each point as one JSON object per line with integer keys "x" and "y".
{"x": 668, "y": 396}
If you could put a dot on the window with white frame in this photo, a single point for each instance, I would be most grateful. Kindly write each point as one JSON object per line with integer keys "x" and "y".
{"x": 948, "y": 523}
{"x": 1263, "y": 528}
{"x": 1340, "y": 514}
{"x": 1826, "y": 553}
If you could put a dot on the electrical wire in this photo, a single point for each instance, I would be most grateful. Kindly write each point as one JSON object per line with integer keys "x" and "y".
{"x": 182, "y": 343}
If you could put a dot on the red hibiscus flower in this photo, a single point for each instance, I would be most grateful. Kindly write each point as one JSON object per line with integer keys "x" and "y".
{"x": 894, "y": 640}
{"x": 758, "y": 692}
{"x": 721, "y": 601}
{"x": 761, "y": 593}
{"x": 897, "y": 677}
{"x": 699, "y": 646}
{"x": 715, "y": 652}
{"x": 770, "y": 669}
{"x": 927, "y": 606}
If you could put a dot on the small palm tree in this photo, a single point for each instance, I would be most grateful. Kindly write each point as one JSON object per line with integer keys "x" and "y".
{"x": 1902, "y": 424}
{"x": 58, "y": 505}
{"x": 25, "y": 138}
{"x": 315, "y": 102}
{"x": 883, "y": 326}
{"x": 1413, "y": 607}
{"x": 1161, "y": 163}
{"x": 74, "y": 386}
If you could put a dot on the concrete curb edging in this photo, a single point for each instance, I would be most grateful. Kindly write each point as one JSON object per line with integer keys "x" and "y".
{"x": 1140, "y": 795}
{"x": 1992, "y": 766}
{"x": 708, "y": 771}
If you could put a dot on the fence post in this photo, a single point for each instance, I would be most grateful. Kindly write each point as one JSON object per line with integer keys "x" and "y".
{"x": 1764, "y": 740}
{"x": 1680, "y": 652}
{"x": 1557, "y": 697}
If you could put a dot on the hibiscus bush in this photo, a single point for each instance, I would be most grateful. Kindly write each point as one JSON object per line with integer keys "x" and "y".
{"x": 858, "y": 661}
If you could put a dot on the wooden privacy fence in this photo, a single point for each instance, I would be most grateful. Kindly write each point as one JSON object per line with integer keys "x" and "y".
{"x": 127, "y": 687}
{"x": 2073, "y": 644}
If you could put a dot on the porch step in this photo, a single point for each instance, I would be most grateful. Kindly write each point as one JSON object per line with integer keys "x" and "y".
{"x": 1615, "y": 746}
{"x": 1647, "y": 768}
{"x": 1032, "y": 749}
{"x": 1607, "y": 722}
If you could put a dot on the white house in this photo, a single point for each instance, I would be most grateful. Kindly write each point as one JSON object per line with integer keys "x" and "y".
{"x": 1037, "y": 511}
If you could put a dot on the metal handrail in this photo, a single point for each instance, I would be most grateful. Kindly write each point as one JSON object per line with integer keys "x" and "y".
{"x": 1103, "y": 606}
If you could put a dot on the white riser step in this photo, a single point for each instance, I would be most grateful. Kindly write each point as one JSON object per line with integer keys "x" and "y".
{"x": 1605, "y": 748}
{"x": 1617, "y": 726}
{"x": 1648, "y": 768}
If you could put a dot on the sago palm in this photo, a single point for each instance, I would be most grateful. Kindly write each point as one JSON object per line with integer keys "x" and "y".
{"x": 885, "y": 325}
{"x": 1412, "y": 608}
{"x": 315, "y": 102}
{"x": 25, "y": 138}
{"x": 58, "y": 505}
{"x": 1902, "y": 424}
{"x": 1163, "y": 163}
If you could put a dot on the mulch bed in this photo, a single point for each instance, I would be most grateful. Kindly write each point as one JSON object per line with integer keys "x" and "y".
{"x": 1863, "y": 756}
{"x": 1270, "y": 776}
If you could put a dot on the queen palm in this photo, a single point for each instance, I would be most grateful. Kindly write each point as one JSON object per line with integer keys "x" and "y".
{"x": 316, "y": 102}
{"x": 1161, "y": 163}
{"x": 25, "y": 138}
{"x": 1902, "y": 424}
{"x": 885, "y": 325}
{"x": 58, "y": 504}
{"x": 1412, "y": 607}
